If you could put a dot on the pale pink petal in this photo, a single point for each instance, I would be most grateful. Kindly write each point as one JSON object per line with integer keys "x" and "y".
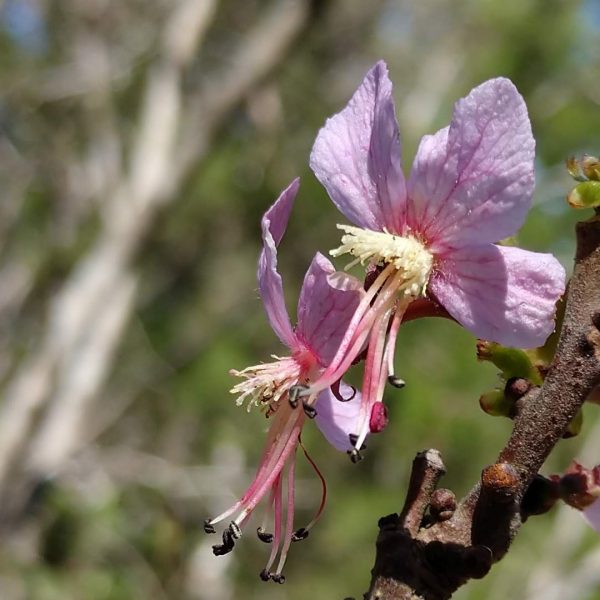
{"x": 503, "y": 294}
{"x": 472, "y": 183}
{"x": 327, "y": 302}
{"x": 336, "y": 419}
{"x": 356, "y": 156}
{"x": 270, "y": 285}
{"x": 592, "y": 515}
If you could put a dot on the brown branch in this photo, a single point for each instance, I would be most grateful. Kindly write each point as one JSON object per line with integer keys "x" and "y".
{"x": 428, "y": 557}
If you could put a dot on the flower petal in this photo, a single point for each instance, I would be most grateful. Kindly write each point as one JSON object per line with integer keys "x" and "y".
{"x": 592, "y": 515}
{"x": 502, "y": 294}
{"x": 356, "y": 156}
{"x": 274, "y": 223}
{"x": 327, "y": 302}
{"x": 472, "y": 183}
{"x": 336, "y": 419}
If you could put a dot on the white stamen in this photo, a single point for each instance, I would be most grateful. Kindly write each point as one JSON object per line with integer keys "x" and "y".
{"x": 264, "y": 385}
{"x": 408, "y": 255}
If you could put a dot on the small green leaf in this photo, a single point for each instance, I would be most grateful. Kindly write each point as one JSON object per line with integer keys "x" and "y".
{"x": 496, "y": 403}
{"x": 585, "y": 195}
{"x": 513, "y": 362}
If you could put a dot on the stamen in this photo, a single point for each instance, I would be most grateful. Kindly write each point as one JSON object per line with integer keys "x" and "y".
{"x": 234, "y": 529}
{"x": 310, "y": 411}
{"x": 277, "y": 534}
{"x": 226, "y": 547}
{"x": 300, "y": 534}
{"x": 407, "y": 254}
{"x": 356, "y": 334}
{"x": 355, "y": 455}
{"x": 289, "y": 525}
{"x": 396, "y": 381}
{"x": 264, "y": 536}
{"x": 209, "y": 527}
{"x": 391, "y": 343}
{"x": 264, "y": 385}
{"x": 353, "y": 439}
{"x": 265, "y": 575}
{"x": 296, "y": 392}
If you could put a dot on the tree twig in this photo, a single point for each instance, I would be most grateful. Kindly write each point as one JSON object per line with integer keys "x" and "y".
{"x": 419, "y": 560}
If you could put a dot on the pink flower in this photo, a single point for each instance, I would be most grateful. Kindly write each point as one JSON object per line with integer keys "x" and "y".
{"x": 433, "y": 236}
{"x": 327, "y": 302}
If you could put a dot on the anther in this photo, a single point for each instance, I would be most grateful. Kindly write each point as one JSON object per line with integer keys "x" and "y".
{"x": 353, "y": 439}
{"x": 355, "y": 455}
{"x": 209, "y": 527}
{"x": 227, "y": 545}
{"x": 310, "y": 411}
{"x": 295, "y": 392}
{"x": 265, "y": 575}
{"x": 278, "y": 578}
{"x": 396, "y": 381}
{"x": 300, "y": 534}
{"x": 234, "y": 529}
{"x": 264, "y": 536}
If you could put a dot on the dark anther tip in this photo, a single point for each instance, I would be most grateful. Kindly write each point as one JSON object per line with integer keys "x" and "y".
{"x": 226, "y": 546}
{"x": 353, "y": 439}
{"x": 278, "y": 578}
{"x": 222, "y": 549}
{"x": 235, "y": 531}
{"x": 265, "y": 575}
{"x": 396, "y": 381}
{"x": 300, "y": 534}
{"x": 355, "y": 455}
{"x": 294, "y": 393}
{"x": 310, "y": 411}
{"x": 208, "y": 528}
{"x": 264, "y": 536}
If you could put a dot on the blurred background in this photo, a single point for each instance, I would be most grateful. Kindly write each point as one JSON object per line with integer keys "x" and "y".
{"x": 140, "y": 143}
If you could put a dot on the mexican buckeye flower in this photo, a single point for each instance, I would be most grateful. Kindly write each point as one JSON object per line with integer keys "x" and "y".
{"x": 327, "y": 302}
{"x": 432, "y": 237}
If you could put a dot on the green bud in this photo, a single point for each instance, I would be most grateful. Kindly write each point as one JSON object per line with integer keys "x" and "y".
{"x": 585, "y": 195}
{"x": 586, "y": 168}
{"x": 513, "y": 362}
{"x": 590, "y": 166}
{"x": 496, "y": 403}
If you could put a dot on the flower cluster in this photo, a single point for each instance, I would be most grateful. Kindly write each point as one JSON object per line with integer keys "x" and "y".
{"x": 429, "y": 245}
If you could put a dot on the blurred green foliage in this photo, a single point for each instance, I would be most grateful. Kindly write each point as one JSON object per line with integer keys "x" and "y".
{"x": 132, "y": 533}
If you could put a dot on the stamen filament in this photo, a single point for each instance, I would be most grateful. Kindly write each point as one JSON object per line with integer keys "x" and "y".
{"x": 323, "y": 490}
{"x": 277, "y": 532}
{"x": 289, "y": 525}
